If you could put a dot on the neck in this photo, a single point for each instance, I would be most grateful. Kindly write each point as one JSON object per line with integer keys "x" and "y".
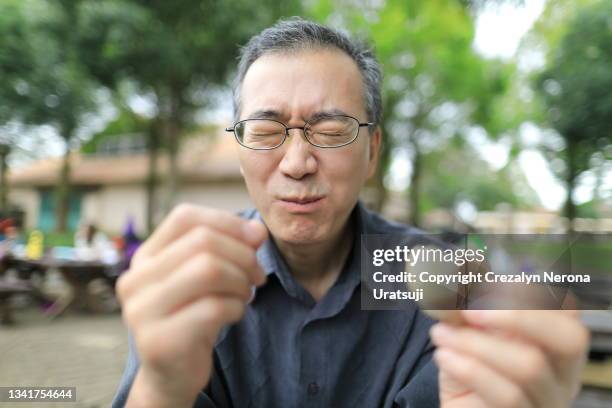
{"x": 317, "y": 266}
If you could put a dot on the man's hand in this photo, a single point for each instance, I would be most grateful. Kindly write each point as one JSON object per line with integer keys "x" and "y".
{"x": 190, "y": 278}
{"x": 511, "y": 359}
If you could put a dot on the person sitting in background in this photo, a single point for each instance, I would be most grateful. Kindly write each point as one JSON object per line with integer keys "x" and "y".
{"x": 131, "y": 242}
{"x": 4, "y": 224}
{"x": 12, "y": 241}
{"x": 92, "y": 244}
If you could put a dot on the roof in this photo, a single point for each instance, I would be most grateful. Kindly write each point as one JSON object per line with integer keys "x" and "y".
{"x": 202, "y": 159}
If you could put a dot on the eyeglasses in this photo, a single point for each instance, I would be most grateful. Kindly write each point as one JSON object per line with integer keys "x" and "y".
{"x": 325, "y": 132}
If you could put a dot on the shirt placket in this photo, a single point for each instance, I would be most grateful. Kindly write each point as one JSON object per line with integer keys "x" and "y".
{"x": 313, "y": 363}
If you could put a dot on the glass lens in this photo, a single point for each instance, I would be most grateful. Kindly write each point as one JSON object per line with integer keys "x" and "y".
{"x": 333, "y": 131}
{"x": 260, "y": 133}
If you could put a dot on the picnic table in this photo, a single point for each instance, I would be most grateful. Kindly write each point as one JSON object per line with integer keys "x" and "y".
{"x": 77, "y": 274}
{"x": 28, "y": 270}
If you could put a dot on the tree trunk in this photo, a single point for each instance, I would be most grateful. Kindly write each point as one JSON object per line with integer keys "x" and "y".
{"x": 414, "y": 197}
{"x": 172, "y": 180}
{"x": 172, "y": 134}
{"x": 151, "y": 183}
{"x": 414, "y": 191}
{"x": 570, "y": 182}
{"x": 3, "y": 180}
{"x": 63, "y": 193}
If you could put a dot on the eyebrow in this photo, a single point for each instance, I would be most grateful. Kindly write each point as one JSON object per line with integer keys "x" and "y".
{"x": 326, "y": 113}
{"x": 276, "y": 115}
{"x": 265, "y": 114}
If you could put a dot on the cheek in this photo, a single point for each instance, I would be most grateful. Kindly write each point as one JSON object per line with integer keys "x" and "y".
{"x": 256, "y": 171}
{"x": 347, "y": 172}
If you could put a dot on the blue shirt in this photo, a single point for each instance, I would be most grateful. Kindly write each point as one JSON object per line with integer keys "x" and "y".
{"x": 292, "y": 351}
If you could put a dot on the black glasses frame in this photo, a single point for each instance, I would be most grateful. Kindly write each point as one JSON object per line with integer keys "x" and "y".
{"x": 304, "y": 128}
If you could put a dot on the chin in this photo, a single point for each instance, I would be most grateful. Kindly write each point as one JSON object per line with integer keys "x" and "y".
{"x": 300, "y": 231}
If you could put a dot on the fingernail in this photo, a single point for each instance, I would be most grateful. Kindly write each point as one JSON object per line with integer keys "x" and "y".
{"x": 444, "y": 356}
{"x": 476, "y": 316}
{"x": 441, "y": 331}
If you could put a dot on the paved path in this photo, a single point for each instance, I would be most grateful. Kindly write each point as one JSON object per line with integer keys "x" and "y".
{"x": 84, "y": 351}
{"x": 88, "y": 352}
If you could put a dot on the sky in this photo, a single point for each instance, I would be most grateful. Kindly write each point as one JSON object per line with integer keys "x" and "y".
{"x": 499, "y": 28}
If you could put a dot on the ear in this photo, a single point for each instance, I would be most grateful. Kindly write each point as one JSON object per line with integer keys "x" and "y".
{"x": 375, "y": 145}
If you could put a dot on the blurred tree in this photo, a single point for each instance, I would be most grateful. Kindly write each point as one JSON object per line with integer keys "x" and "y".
{"x": 576, "y": 91}
{"x": 435, "y": 85}
{"x": 64, "y": 90}
{"x": 175, "y": 52}
{"x": 16, "y": 59}
{"x": 448, "y": 181}
{"x": 551, "y": 26}
{"x": 127, "y": 122}
{"x": 42, "y": 80}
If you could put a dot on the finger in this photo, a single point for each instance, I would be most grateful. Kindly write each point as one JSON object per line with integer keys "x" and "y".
{"x": 198, "y": 239}
{"x": 495, "y": 390}
{"x": 200, "y": 276}
{"x": 186, "y": 216}
{"x": 195, "y": 325}
{"x": 558, "y": 333}
{"x": 207, "y": 316}
{"x": 525, "y": 365}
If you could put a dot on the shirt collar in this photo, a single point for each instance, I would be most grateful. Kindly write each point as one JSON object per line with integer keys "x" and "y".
{"x": 271, "y": 261}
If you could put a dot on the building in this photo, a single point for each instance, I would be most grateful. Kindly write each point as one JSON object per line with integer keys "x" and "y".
{"x": 108, "y": 187}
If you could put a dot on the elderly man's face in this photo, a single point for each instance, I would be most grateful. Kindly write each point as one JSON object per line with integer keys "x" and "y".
{"x": 304, "y": 193}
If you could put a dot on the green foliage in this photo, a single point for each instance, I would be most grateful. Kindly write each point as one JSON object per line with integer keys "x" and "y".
{"x": 54, "y": 239}
{"x": 59, "y": 91}
{"x": 436, "y": 85}
{"x": 174, "y": 52}
{"x": 17, "y": 62}
{"x": 576, "y": 86}
{"x": 447, "y": 180}
{"x": 127, "y": 121}
{"x": 575, "y": 89}
{"x": 43, "y": 80}
{"x": 174, "y": 49}
{"x": 552, "y": 25}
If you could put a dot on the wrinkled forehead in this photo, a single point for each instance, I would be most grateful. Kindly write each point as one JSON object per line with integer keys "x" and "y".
{"x": 294, "y": 85}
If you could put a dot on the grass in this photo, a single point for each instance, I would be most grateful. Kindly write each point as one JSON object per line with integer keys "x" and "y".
{"x": 53, "y": 239}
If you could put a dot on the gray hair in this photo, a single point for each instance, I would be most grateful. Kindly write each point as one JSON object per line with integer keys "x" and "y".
{"x": 296, "y": 33}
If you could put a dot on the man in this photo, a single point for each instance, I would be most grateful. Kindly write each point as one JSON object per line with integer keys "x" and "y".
{"x": 307, "y": 105}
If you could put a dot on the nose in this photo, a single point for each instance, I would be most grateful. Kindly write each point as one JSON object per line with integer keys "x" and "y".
{"x": 298, "y": 160}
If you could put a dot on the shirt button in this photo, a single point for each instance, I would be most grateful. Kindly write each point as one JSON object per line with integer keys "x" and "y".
{"x": 313, "y": 388}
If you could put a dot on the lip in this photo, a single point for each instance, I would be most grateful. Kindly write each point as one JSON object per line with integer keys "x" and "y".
{"x": 301, "y": 204}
